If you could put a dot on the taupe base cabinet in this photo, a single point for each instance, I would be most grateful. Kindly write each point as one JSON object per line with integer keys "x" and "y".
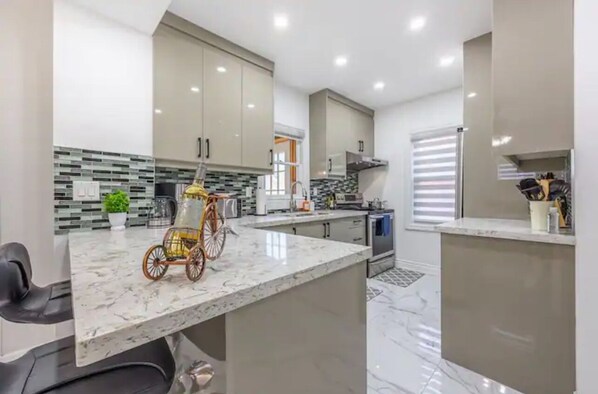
{"x": 508, "y": 311}
{"x": 349, "y": 230}
{"x": 209, "y": 104}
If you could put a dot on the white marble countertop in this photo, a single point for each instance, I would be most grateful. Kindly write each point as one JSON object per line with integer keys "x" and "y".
{"x": 116, "y": 308}
{"x": 519, "y": 230}
{"x": 281, "y": 219}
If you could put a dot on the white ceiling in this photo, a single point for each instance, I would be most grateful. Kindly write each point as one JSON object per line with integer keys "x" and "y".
{"x": 143, "y": 15}
{"x": 373, "y": 34}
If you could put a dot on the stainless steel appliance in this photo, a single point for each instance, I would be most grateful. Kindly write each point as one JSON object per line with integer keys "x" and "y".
{"x": 168, "y": 194}
{"x": 358, "y": 162}
{"x": 380, "y": 231}
{"x": 162, "y": 213}
{"x": 232, "y": 207}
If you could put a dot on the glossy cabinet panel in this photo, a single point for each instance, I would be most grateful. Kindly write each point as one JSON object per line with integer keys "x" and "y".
{"x": 350, "y": 230}
{"x": 178, "y": 96}
{"x": 210, "y": 106}
{"x": 532, "y": 56}
{"x": 508, "y": 311}
{"x": 362, "y": 132}
{"x": 338, "y": 129}
{"x": 312, "y": 230}
{"x": 258, "y": 119}
{"x": 223, "y": 77}
{"x": 484, "y": 194}
{"x": 337, "y": 126}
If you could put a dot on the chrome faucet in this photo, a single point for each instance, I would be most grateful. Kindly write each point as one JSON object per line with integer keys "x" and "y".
{"x": 293, "y": 204}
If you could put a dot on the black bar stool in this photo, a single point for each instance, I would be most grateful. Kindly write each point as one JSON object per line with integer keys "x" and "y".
{"x": 50, "y": 368}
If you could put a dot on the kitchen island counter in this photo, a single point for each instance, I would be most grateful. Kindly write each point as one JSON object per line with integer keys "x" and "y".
{"x": 116, "y": 308}
{"x": 517, "y": 230}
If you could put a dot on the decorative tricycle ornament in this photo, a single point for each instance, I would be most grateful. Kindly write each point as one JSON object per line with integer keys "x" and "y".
{"x": 198, "y": 234}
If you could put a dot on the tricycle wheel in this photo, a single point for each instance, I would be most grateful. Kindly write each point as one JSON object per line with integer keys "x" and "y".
{"x": 213, "y": 234}
{"x": 154, "y": 262}
{"x": 196, "y": 263}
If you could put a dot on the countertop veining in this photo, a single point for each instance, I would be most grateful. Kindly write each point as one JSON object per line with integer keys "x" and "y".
{"x": 501, "y": 228}
{"x": 116, "y": 308}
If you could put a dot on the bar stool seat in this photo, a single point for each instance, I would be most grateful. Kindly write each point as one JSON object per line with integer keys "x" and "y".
{"x": 21, "y": 301}
{"x": 50, "y": 368}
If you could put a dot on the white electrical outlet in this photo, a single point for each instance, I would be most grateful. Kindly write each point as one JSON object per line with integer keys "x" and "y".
{"x": 86, "y": 191}
{"x": 248, "y": 191}
{"x": 314, "y": 191}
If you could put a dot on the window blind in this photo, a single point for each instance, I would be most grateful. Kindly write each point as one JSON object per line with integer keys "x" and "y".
{"x": 434, "y": 164}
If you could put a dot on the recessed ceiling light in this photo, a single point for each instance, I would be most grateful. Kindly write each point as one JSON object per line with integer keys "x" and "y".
{"x": 158, "y": 111}
{"x": 417, "y": 23}
{"x": 281, "y": 21}
{"x": 379, "y": 85}
{"x": 447, "y": 61}
{"x": 221, "y": 69}
{"x": 472, "y": 95}
{"x": 194, "y": 89}
{"x": 251, "y": 106}
{"x": 340, "y": 61}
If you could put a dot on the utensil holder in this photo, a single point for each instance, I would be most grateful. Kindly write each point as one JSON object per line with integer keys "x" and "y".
{"x": 539, "y": 213}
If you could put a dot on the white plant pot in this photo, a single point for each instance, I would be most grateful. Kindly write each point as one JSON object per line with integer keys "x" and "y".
{"x": 117, "y": 221}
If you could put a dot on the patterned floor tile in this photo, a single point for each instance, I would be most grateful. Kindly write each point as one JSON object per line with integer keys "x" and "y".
{"x": 399, "y": 277}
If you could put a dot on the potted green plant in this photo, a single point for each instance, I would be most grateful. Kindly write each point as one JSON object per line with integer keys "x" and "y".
{"x": 117, "y": 206}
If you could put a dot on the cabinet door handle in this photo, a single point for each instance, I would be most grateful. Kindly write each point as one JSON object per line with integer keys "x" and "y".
{"x": 271, "y": 156}
{"x": 295, "y": 230}
{"x": 325, "y": 232}
{"x": 328, "y": 236}
{"x": 359, "y": 142}
{"x": 207, "y": 148}
{"x": 357, "y": 239}
{"x": 199, "y": 147}
{"x": 329, "y": 165}
{"x": 356, "y": 221}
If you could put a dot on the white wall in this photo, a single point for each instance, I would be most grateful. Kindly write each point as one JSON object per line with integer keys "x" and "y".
{"x": 586, "y": 188}
{"x": 26, "y": 175}
{"x": 291, "y": 108}
{"x": 102, "y": 83}
{"x": 393, "y": 126}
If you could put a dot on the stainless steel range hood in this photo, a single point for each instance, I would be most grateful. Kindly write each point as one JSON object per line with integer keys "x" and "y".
{"x": 357, "y": 162}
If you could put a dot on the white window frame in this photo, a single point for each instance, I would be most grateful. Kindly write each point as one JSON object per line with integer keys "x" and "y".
{"x": 410, "y": 224}
{"x": 282, "y": 201}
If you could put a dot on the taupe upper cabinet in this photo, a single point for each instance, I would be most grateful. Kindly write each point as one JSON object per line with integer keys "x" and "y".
{"x": 258, "y": 122}
{"x": 223, "y": 76}
{"x": 213, "y": 100}
{"x": 532, "y": 55}
{"x": 178, "y": 96}
{"x": 337, "y": 126}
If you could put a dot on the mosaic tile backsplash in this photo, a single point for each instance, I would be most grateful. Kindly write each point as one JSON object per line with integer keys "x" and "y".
{"x": 327, "y": 186}
{"x": 134, "y": 174}
{"x": 131, "y": 173}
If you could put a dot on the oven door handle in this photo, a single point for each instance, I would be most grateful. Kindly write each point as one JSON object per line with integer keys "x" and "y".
{"x": 374, "y": 217}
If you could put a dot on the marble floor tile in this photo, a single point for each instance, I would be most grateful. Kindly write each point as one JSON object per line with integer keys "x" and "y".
{"x": 392, "y": 365}
{"x": 421, "y": 298}
{"x": 418, "y": 334}
{"x": 449, "y": 378}
{"x": 404, "y": 345}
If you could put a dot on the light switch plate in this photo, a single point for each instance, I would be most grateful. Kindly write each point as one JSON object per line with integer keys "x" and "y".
{"x": 248, "y": 191}
{"x": 314, "y": 191}
{"x": 86, "y": 191}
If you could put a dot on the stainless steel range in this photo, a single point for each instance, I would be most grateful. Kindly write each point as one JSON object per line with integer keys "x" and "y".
{"x": 380, "y": 231}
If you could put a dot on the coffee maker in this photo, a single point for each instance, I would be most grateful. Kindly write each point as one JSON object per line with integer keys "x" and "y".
{"x": 164, "y": 209}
